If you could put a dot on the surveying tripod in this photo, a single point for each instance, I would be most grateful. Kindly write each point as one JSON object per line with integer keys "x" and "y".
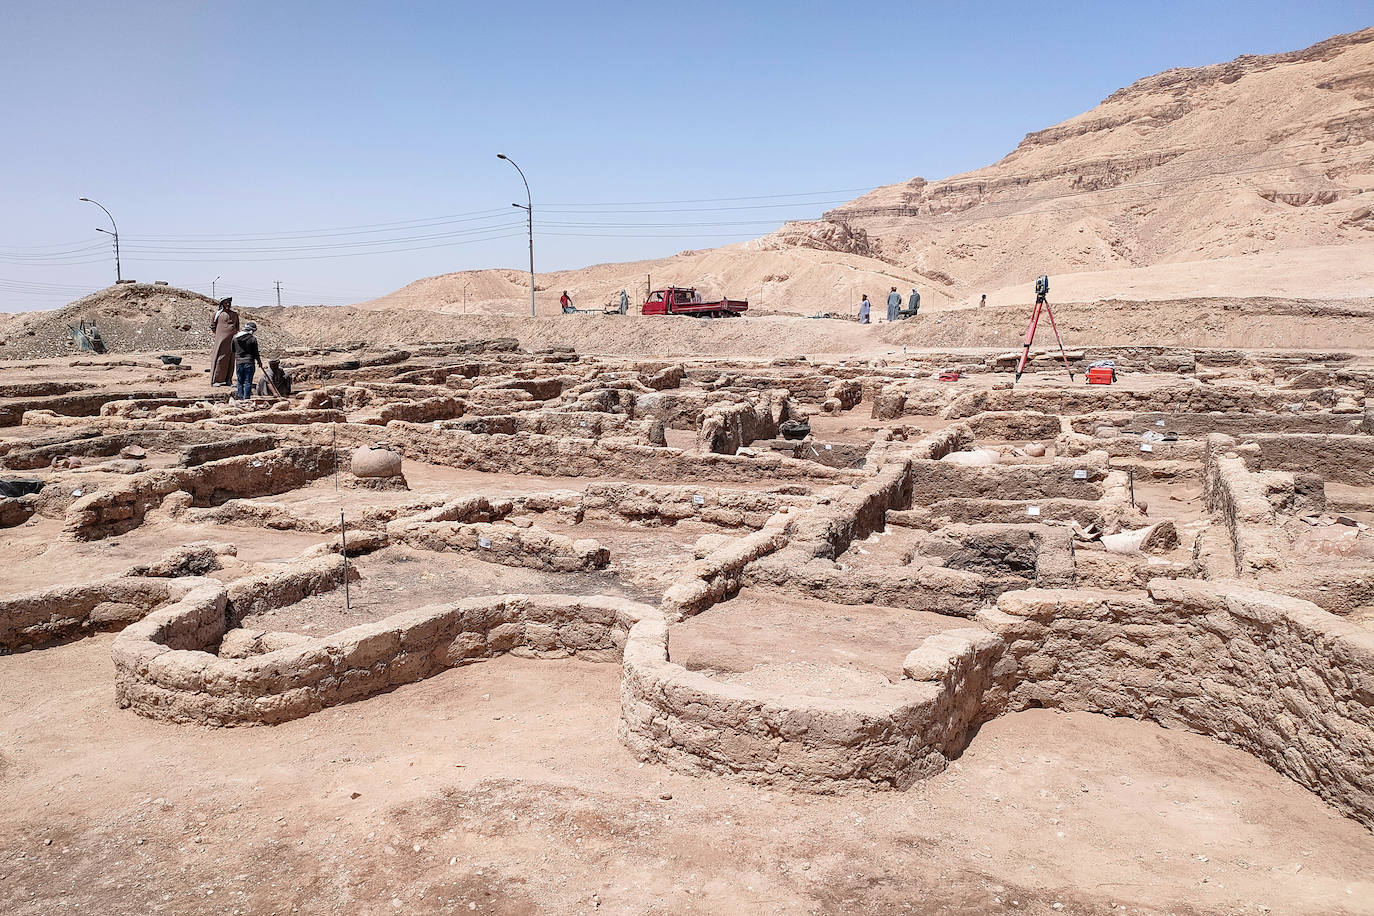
{"x": 1042, "y": 292}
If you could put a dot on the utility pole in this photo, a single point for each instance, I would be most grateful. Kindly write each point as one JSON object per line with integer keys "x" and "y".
{"x": 119, "y": 274}
{"x": 278, "y": 294}
{"x": 529, "y": 210}
{"x": 212, "y": 288}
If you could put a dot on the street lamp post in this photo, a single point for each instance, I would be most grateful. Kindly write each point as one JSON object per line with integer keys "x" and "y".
{"x": 529, "y": 210}
{"x": 212, "y": 288}
{"x": 119, "y": 275}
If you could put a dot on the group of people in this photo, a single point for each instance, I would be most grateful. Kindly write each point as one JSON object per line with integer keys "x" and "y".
{"x": 894, "y": 306}
{"x": 237, "y": 356}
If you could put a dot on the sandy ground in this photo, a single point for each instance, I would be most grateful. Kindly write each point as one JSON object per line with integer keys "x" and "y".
{"x": 500, "y": 788}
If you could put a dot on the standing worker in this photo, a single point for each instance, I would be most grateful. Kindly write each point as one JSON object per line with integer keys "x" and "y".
{"x": 913, "y": 303}
{"x": 984, "y": 301}
{"x": 565, "y": 302}
{"x": 246, "y": 357}
{"x": 224, "y": 326}
{"x": 894, "y": 306}
{"x": 624, "y": 302}
{"x": 863, "y": 309}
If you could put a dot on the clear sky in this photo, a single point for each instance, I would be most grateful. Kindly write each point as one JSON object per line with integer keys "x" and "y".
{"x": 265, "y": 141}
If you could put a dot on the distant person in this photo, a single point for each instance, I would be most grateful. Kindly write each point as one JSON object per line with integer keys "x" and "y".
{"x": 913, "y": 302}
{"x": 894, "y": 305}
{"x": 624, "y": 302}
{"x": 246, "y": 358}
{"x": 863, "y": 309}
{"x": 566, "y": 302}
{"x": 696, "y": 296}
{"x": 274, "y": 382}
{"x": 984, "y": 301}
{"x": 224, "y": 325}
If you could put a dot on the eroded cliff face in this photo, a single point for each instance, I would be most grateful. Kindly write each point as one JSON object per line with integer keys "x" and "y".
{"x": 1262, "y": 153}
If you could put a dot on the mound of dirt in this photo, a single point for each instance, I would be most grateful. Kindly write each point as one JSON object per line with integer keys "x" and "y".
{"x": 131, "y": 317}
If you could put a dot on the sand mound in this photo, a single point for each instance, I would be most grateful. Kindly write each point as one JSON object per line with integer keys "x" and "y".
{"x": 133, "y": 317}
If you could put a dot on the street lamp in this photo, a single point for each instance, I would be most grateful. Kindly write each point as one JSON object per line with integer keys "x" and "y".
{"x": 530, "y": 211}
{"x": 119, "y": 276}
{"x": 212, "y": 288}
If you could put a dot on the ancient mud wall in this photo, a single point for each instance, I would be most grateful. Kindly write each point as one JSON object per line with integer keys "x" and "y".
{"x": 163, "y": 671}
{"x": 1274, "y": 676}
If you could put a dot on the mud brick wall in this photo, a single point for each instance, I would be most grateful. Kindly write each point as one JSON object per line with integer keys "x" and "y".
{"x": 1232, "y": 423}
{"x": 1014, "y": 425}
{"x": 933, "y": 589}
{"x": 121, "y": 506}
{"x": 932, "y": 481}
{"x": 718, "y": 576}
{"x": 193, "y": 455}
{"x": 1274, "y": 676}
{"x": 1338, "y": 458}
{"x": 1190, "y": 398}
{"x": 32, "y": 619}
{"x": 725, "y": 428}
{"x": 527, "y": 453}
{"x": 668, "y": 505}
{"x": 692, "y": 722}
{"x": 532, "y": 548}
{"x": 1242, "y": 500}
{"x": 83, "y": 404}
{"x": 161, "y": 671}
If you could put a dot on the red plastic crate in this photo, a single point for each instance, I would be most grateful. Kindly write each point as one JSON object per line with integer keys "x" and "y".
{"x": 1101, "y": 376}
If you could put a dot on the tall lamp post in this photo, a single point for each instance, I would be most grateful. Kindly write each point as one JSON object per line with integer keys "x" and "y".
{"x": 529, "y": 210}
{"x": 212, "y": 288}
{"x": 119, "y": 275}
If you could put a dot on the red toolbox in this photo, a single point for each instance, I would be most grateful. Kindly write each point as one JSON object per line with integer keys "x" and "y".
{"x": 1101, "y": 375}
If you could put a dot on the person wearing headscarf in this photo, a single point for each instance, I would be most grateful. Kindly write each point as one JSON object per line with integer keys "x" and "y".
{"x": 913, "y": 302}
{"x": 275, "y": 382}
{"x": 894, "y": 305}
{"x": 246, "y": 359}
{"x": 224, "y": 325}
{"x": 864, "y": 306}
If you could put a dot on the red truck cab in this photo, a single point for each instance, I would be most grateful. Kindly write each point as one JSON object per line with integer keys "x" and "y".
{"x": 683, "y": 300}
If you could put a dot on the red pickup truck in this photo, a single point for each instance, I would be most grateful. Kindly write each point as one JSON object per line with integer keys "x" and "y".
{"x": 680, "y": 300}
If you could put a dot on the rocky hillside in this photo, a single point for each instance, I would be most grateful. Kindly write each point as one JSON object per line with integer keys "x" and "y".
{"x": 1261, "y": 154}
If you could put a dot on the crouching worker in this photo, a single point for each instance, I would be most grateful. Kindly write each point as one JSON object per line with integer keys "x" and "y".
{"x": 274, "y": 382}
{"x": 246, "y": 358}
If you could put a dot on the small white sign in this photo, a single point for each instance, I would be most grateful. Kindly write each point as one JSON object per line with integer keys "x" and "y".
{"x": 484, "y": 543}
{"x": 699, "y": 500}
{"x": 1146, "y": 447}
{"x": 827, "y": 446}
{"x": 1080, "y": 474}
{"x": 1032, "y": 510}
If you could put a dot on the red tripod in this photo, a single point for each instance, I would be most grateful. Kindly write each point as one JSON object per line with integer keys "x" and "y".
{"x": 1041, "y": 302}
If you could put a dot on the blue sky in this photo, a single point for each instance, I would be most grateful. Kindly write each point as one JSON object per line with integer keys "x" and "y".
{"x": 264, "y": 141}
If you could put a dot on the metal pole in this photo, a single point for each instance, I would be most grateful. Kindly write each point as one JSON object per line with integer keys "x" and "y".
{"x": 529, "y": 209}
{"x": 343, "y": 548}
{"x": 212, "y": 287}
{"x": 119, "y": 274}
{"x": 278, "y": 294}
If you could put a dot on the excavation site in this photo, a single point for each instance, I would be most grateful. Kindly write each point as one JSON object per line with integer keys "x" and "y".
{"x": 553, "y": 610}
